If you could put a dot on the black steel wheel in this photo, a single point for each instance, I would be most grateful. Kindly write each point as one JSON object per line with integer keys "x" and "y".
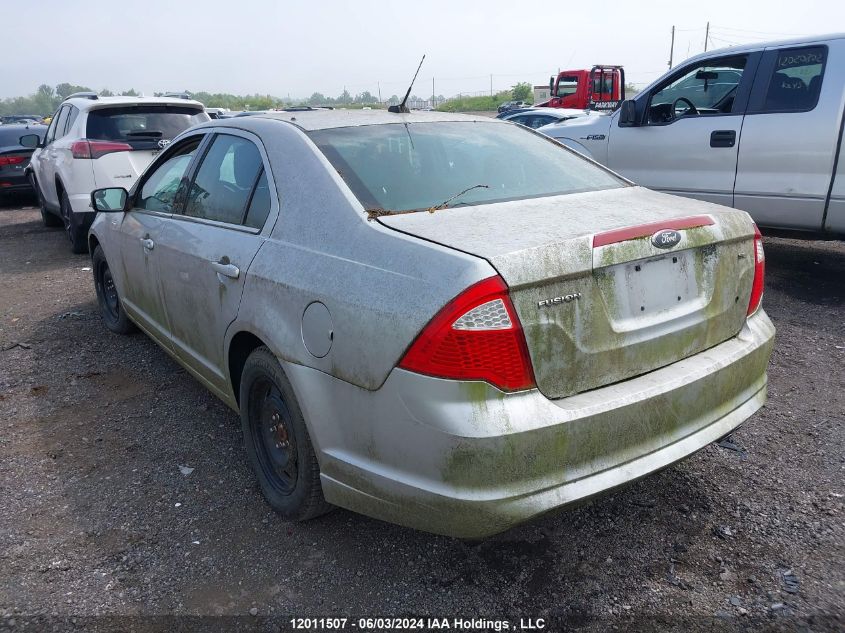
{"x": 108, "y": 298}
{"x": 273, "y": 435}
{"x": 277, "y": 440}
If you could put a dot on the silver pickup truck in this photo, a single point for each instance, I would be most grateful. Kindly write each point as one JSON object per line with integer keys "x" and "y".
{"x": 755, "y": 127}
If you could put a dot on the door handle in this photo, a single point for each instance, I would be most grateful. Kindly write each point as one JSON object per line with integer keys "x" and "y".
{"x": 147, "y": 243}
{"x": 723, "y": 138}
{"x": 226, "y": 270}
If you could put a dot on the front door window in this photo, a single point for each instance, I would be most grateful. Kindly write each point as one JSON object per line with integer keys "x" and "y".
{"x": 161, "y": 187}
{"x": 706, "y": 89}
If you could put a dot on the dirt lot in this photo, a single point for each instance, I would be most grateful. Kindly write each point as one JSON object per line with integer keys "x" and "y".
{"x": 97, "y": 519}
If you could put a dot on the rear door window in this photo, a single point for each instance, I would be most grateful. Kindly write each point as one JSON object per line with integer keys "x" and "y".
{"x": 71, "y": 119}
{"x": 51, "y": 131}
{"x": 61, "y": 123}
{"x": 796, "y": 80}
{"x": 259, "y": 206}
{"x": 142, "y": 126}
{"x": 223, "y": 186}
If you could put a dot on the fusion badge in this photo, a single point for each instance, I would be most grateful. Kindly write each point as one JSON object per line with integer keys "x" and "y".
{"x": 545, "y": 303}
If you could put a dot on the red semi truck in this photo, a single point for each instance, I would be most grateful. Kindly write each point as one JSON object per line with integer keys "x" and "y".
{"x": 600, "y": 88}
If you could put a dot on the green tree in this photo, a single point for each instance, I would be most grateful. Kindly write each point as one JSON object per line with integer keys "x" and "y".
{"x": 105, "y": 92}
{"x": 318, "y": 98}
{"x": 344, "y": 97}
{"x": 365, "y": 97}
{"x": 45, "y": 100}
{"x": 64, "y": 90}
{"x": 523, "y": 91}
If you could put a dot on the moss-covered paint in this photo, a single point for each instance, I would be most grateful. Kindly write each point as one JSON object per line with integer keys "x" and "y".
{"x": 487, "y": 485}
{"x": 561, "y": 453}
{"x": 599, "y": 339}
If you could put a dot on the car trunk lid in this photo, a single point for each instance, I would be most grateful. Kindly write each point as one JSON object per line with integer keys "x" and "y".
{"x": 597, "y": 300}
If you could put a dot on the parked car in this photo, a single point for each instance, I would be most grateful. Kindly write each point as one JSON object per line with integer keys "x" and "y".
{"x": 511, "y": 105}
{"x": 95, "y": 142}
{"x": 756, "y": 127}
{"x": 14, "y": 157}
{"x": 506, "y": 113}
{"x": 414, "y": 330}
{"x": 538, "y": 117}
{"x": 10, "y": 119}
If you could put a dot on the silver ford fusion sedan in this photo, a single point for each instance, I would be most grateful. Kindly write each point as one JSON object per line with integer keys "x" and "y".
{"x": 447, "y": 322}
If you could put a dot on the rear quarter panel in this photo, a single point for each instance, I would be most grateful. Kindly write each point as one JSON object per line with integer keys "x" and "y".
{"x": 380, "y": 286}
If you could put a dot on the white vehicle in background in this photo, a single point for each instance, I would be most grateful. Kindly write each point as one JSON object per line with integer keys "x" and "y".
{"x": 96, "y": 142}
{"x": 538, "y": 117}
{"x": 755, "y": 127}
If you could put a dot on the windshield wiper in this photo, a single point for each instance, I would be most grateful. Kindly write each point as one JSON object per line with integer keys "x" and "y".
{"x": 377, "y": 212}
{"x": 445, "y": 204}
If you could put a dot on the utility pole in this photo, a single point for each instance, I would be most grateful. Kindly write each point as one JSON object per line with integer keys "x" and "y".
{"x": 491, "y": 85}
{"x": 378, "y": 83}
{"x": 672, "y": 47}
{"x": 432, "y": 92}
{"x": 706, "y": 36}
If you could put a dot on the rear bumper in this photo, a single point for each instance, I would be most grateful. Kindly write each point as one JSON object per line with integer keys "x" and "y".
{"x": 467, "y": 460}
{"x": 14, "y": 181}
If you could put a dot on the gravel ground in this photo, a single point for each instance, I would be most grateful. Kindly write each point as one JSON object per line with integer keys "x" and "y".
{"x": 98, "y": 522}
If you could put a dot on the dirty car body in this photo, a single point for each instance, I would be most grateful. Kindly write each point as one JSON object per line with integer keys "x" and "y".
{"x": 460, "y": 367}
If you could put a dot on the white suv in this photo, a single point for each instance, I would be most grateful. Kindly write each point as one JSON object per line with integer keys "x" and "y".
{"x": 95, "y": 142}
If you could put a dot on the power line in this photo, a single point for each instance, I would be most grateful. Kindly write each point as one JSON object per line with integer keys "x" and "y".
{"x": 719, "y": 39}
{"x": 730, "y": 28}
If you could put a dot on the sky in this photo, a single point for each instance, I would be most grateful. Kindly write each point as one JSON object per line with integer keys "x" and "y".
{"x": 297, "y": 48}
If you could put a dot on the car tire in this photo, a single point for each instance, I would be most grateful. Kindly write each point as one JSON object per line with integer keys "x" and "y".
{"x": 111, "y": 307}
{"x": 277, "y": 441}
{"x": 49, "y": 219}
{"x": 76, "y": 235}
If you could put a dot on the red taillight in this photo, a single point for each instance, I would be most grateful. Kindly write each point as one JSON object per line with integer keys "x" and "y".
{"x": 759, "y": 273}
{"x": 12, "y": 160}
{"x": 476, "y": 336}
{"x": 95, "y": 149}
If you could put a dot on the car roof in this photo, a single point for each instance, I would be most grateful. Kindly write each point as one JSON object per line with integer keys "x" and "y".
{"x": 746, "y": 48}
{"x": 559, "y": 112}
{"x": 86, "y": 103}
{"x": 327, "y": 119}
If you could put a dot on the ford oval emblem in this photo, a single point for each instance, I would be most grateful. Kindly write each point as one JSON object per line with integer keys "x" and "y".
{"x": 666, "y": 238}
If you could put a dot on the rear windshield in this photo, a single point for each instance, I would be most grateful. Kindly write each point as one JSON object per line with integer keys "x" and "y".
{"x": 142, "y": 123}
{"x": 413, "y": 166}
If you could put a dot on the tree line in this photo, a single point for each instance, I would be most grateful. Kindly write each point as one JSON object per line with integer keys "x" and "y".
{"x": 46, "y": 99}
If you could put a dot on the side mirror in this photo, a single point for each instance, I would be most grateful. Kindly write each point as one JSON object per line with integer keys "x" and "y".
{"x": 32, "y": 141}
{"x": 628, "y": 114}
{"x": 551, "y": 86}
{"x": 109, "y": 200}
